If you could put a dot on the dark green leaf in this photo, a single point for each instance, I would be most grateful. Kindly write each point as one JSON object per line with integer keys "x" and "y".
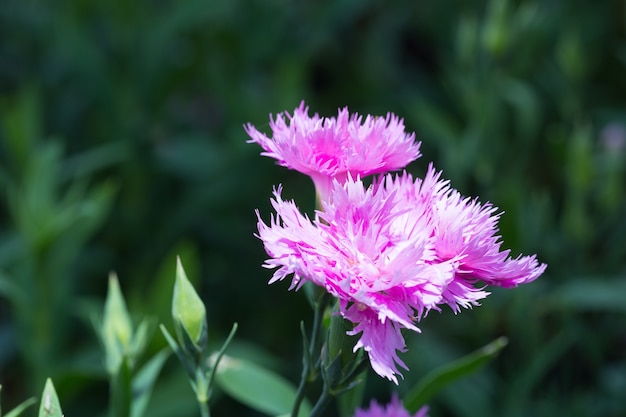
{"x": 439, "y": 378}
{"x": 257, "y": 387}
{"x": 144, "y": 381}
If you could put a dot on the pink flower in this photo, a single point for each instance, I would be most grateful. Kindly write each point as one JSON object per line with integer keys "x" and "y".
{"x": 390, "y": 253}
{"x": 328, "y": 149}
{"x": 393, "y": 409}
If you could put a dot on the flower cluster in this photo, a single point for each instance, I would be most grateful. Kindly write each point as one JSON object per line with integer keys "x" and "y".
{"x": 393, "y": 409}
{"x": 391, "y": 251}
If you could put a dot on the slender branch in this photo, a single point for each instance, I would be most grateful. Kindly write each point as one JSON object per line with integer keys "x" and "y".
{"x": 321, "y": 404}
{"x": 316, "y": 340}
{"x": 204, "y": 409}
{"x": 304, "y": 382}
{"x": 309, "y": 371}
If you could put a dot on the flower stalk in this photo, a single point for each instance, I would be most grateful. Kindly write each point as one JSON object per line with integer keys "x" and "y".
{"x": 311, "y": 349}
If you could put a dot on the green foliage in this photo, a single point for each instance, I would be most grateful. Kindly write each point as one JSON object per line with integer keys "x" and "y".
{"x": 437, "y": 379}
{"x": 143, "y": 383}
{"x": 257, "y": 387}
{"x": 20, "y": 408}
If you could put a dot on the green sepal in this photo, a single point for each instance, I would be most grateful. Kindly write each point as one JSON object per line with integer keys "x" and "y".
{"x": 332, "y": 371}
{"x": 50, "y": 406}
{"x": 338, "y": 341}
{"x": 437, "y": 379}
{"x": 340, "y": 379}
{"x": 187, "y": 361}
{"x": 355, "y": 369}
{"x": 340, "y": 361}
{"x": 187, "y": 343}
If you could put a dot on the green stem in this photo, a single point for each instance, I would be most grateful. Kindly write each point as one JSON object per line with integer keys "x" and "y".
{"x": 304, "y": 382}
{"x": 121, "y": 390}
{"x": 202, "y": 390}
{"x": 204, "y": 409}
{"x": 309, "y": 372}
{"x": 322, "y": 403}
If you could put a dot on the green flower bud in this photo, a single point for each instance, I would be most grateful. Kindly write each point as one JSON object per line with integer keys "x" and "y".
{"x": 117, "y": 328}
{"x": 50, "y": 406}
{"x": 188, "y": 310}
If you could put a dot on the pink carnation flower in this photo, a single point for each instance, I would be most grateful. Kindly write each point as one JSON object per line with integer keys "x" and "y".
{"x": 393, "y": 409}
{"x": 328, "y": 149}
{"x": 390, "y": 253}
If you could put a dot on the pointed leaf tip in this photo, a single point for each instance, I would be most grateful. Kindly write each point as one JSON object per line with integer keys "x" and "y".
{"x": 117, "y": 329}
{"x": 50, "y": 406}
{"x": 188, "y": 310}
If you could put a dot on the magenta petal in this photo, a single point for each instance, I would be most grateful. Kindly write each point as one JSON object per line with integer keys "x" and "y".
{"x": 394, "y": 408}
{"x": 381, "y": 340}
{"x": 333, "y": 147}
{"x": 391, "y": 252}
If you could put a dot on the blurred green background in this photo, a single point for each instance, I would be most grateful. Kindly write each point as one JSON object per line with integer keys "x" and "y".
{"x": 121, "y": 145}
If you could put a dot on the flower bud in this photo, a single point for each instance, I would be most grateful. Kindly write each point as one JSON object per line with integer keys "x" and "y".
{"x": 50, "y": 405}
{"x": 188, "y": 311}
{"x": 117, "y": 328}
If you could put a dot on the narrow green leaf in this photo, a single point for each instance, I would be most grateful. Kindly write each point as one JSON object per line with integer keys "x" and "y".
{"x": 439, "y": 378}
{"x": 144, "y": 381}
{"x": 50, "y": 406}
{"x": 21, "y": 407}
{"x": 170, "y": 340}
{"x": 220, "y": 354}
{"x": 183, "y": 357}
{"x": 257, "y": 387}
